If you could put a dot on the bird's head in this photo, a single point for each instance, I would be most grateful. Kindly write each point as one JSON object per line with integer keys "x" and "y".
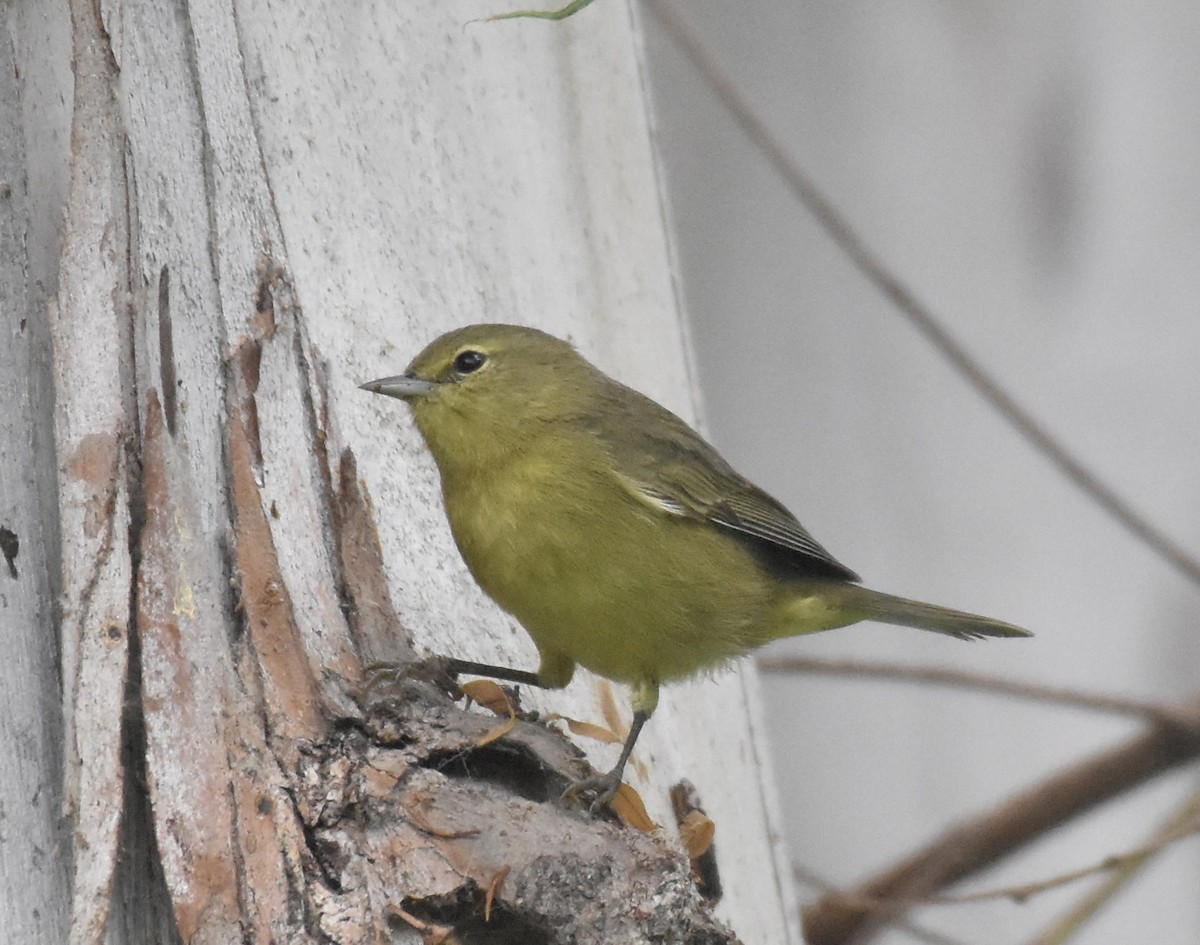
{"x": 487, "y": 387}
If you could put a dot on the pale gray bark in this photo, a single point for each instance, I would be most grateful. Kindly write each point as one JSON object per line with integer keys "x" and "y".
{"x": 34, "y": 837}
{"x": 259, "y": 207}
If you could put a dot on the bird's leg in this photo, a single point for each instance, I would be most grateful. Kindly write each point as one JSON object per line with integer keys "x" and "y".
{"x": 603, "y": 789}
{"x": 444, "y": 672}
{"x": 553, "y": 672}
{"x": 455, "y": 667}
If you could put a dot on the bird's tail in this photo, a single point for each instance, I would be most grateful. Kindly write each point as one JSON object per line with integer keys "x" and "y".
{"x": 885, "y": 608}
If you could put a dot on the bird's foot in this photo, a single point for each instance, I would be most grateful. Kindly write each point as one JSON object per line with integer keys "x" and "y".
{"x": 596, "y": 792}
{"x": 438, "y": 670}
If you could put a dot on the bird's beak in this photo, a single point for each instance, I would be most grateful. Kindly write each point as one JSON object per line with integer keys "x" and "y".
{"x": 402, "y": 386}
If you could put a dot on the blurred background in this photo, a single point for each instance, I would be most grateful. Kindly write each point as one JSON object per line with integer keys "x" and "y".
{"x": 1031, "y": 171}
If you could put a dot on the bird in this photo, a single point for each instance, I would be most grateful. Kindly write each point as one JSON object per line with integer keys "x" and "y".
{"x": 613, "y": 532}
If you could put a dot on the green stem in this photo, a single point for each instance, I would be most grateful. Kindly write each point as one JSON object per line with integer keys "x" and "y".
{"x": 561, "y": 14}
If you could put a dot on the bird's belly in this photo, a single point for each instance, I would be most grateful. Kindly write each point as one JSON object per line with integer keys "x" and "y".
{"x": 631, "y": 597}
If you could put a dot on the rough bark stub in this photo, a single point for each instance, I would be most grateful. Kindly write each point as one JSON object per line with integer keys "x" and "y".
{"x": 413, "y": 817}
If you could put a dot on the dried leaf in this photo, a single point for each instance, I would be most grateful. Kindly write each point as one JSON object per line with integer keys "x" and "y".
{"x": 627, "y": 805}
{"x": 696, "y": 830}
{"x": 490, "y": 695}
{"x": 430, "y": 934}
{"x": 498, "y": 732}
{"x": 608, "y": 709}
{"x": 593, "y": 731}
{"x": 493, "y": 890}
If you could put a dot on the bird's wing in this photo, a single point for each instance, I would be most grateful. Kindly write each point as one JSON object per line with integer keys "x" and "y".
{"x": 666, "y": 463}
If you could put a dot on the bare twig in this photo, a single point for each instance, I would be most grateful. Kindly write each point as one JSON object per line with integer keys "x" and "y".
{"x": 919, "y": 314}
{"x": 968, "y": 848}
{"x": 1120, "y": 866}
{"x": 1112, "y": 864}
{"x": 813, "y": 880}
{"x": 1159, "y": 712}
{"x": 1182, "y": 824}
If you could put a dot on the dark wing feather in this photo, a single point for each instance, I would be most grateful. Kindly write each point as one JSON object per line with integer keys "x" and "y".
{"x": 666, "y": 462}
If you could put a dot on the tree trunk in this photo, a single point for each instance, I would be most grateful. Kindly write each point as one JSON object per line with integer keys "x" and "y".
{"x": 262, "y": 206}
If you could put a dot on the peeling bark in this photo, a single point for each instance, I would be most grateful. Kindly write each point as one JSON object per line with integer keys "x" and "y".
{"x": 223, "y": 582}
{"x": 89, "y": 327}
{"x": 284, "y": 811}
{"x": 282, "y": 807}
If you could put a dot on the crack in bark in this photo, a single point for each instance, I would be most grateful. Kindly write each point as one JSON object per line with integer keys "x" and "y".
{"x": 463, "y": 912}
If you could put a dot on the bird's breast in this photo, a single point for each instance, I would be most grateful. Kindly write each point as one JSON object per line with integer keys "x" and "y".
{"x": 597, "y": 576}
{"x": 519, "y": 524}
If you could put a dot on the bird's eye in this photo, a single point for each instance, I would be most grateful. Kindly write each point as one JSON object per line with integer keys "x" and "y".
{"x": 468, "y": 362}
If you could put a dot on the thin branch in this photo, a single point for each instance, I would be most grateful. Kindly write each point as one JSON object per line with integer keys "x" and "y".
{"x": 976, "y": 844}
{"x": 1158, "y": 712}
{"x": 918, "y": 314}
{"x": 1121, "y": 867}
{"x": 1183, "y": 823}
{"x": 1115, "y": 864}
{"x": 807, "y": 877}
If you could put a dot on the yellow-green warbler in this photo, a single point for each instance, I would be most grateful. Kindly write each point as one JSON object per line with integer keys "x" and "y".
{"x": 612, "y": 531}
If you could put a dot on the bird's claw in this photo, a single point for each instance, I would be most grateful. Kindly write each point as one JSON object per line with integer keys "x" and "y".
{"x": 596, "y": 792}
{"x": 435, "y": 669}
